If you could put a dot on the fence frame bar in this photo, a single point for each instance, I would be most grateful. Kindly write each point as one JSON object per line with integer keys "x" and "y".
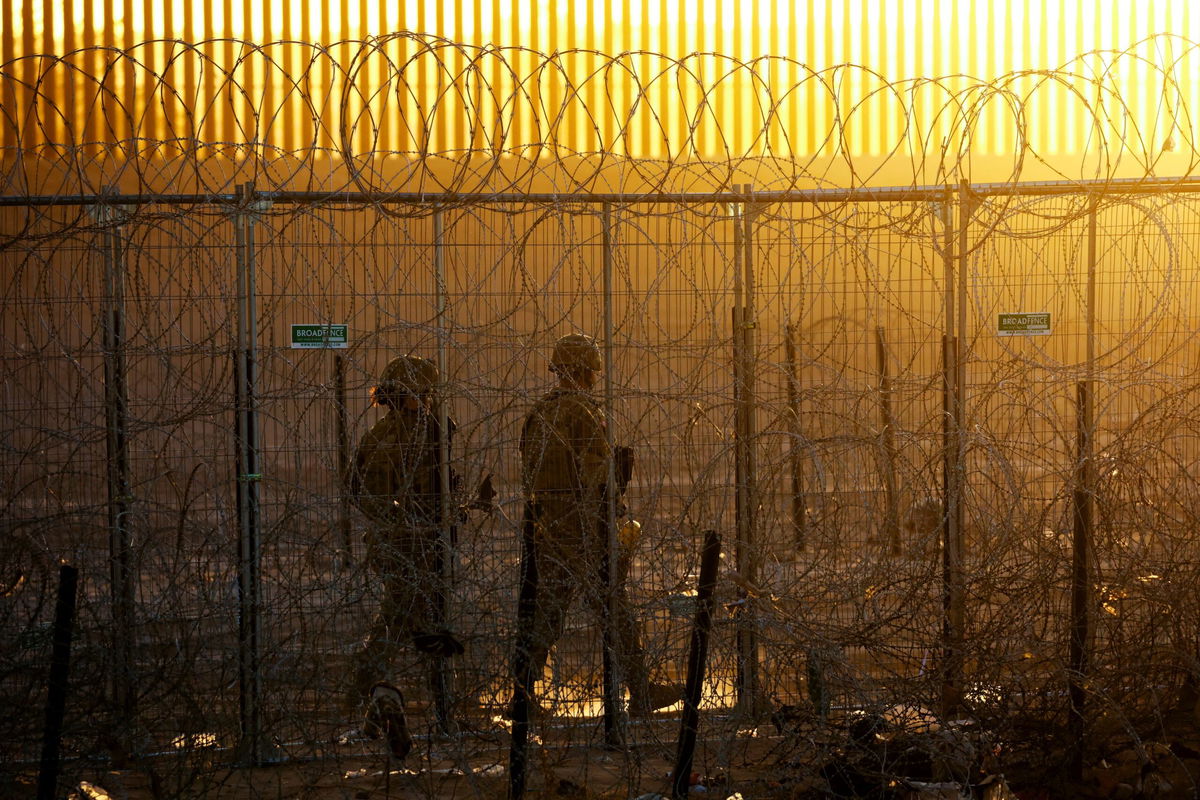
{"x": 1083, "y": 523}
{"x": 251, "y": 746}
{"x": 120, "y": 492}
{"x": 887, "y": 194}
{"x": 612, "y": 679}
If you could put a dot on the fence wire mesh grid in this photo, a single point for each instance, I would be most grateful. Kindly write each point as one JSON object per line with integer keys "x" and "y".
{"x": 901, "y": 490}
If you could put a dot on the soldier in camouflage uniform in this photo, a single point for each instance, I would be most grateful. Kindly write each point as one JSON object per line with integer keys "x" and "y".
{"x": 395, "y": 480}
{"x": 565, "y": 464}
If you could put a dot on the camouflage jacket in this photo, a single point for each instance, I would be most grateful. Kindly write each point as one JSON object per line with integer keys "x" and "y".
{"x": 394, "y": 477}
{"x": 564, "y": 445}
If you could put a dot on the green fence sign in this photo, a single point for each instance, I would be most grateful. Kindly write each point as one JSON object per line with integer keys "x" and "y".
{"x": 318, "y": 336}
{"x": 1035, "y": 324}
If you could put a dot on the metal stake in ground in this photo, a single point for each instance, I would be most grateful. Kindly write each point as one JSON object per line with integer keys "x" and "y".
{"x": 522, "y": 668}
{"x": 690, "y": 722}
{"x": 60, "y": 667}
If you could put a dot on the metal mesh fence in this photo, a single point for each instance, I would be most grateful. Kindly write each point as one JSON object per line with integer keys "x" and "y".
{"x": 122, "y": 331}
{"x": 922, "y": 506}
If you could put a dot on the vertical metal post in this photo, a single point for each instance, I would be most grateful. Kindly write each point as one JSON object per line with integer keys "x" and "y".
{"x": 946, "y": 219}
{"x": 249, "y": 546}
{"x": 441, "y": 676}
{"x": 56, "y": 692}
{"x": 887, "y": 446}
{"x": 1090, "y": 311}
{"x": 443, "y": 416}
{"x": 746, "y": 552}
{"x": 799, "y": 515}
{"x": 952, "y": 698}
{"x": 1081, "y": 623}
{"x": 612, "y": 676}
{"x": 1083, "y": 524}
{"x": 951, "y": 621}
{"x": 518, "y": 753}
{"x": 689, "y": 722}
{"x": 952, "y": 583}
{"x": 116, "y": 408}
{"x": 740, "y": 502}
{"x": 345, "y": 553}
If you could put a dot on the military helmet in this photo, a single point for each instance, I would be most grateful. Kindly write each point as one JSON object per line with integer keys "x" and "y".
{"x": 412, "y": 373}
{"x": 576, "y": 351}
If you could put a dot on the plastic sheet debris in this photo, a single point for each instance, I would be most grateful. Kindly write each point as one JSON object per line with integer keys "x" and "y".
{"x": 917, "y": 790}
{"x": 352, "y": 736}
{"x": 194, "y": 741}
{"x": 89, "y": 791}
{"x": 906, "y": 748}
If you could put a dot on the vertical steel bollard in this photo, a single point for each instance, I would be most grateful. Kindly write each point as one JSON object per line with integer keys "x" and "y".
{"x": 248, "y": 477}
{"x": 116, "y": 412}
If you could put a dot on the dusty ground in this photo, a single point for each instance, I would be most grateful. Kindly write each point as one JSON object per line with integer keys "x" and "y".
{"x": 571, "y": 762}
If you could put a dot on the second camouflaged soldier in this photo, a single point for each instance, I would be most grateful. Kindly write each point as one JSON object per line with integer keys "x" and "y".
{"x": 564, "y": 471}
{"x": 396, "y": 481}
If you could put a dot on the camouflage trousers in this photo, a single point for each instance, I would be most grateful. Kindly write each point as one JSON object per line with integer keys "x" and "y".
{"x": 570, "y": 553}
{"x": 408, "y": 562}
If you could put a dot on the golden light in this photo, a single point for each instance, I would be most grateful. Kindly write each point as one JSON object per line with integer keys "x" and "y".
{"x": 653, "y": 107}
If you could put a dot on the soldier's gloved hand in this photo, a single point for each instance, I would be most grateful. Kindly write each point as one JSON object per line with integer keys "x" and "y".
{"x": 623, "y": 465}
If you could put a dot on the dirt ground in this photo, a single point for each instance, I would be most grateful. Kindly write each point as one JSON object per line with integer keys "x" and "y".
{"x": 789, "y": 761}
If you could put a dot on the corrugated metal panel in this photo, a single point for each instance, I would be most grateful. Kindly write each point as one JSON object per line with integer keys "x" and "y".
{"x": 642, "y": 104}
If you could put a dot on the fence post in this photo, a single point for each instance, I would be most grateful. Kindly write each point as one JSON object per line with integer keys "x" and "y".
{"x": 746, "y": 551}
{"x": 611, "y": 665}
{"x": 887, "y": 445}
{"x": 442, "y": 678}
{"x": 120, "y": 492}
{"x": 1081, "y": 623}
{"x": 1083, "y": 525}
{"x": 953, "y": 611}
{"x": 345, "y": 552}
{"x": 56, "y": 692}
{"x": 689, "y": 721}
{"x": 248, "y": 476}
{"x": 799, "y": 515}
